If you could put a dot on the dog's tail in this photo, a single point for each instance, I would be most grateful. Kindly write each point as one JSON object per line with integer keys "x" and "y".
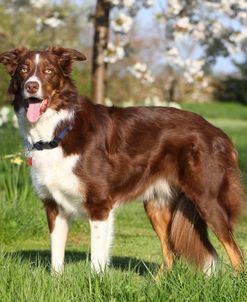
{"x": 189, "y": 236}
{"x": 188, "y": 231}
{"x": 231, "y": 197}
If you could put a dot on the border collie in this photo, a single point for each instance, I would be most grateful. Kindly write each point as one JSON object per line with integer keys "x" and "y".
{"x": 89, "y": 158}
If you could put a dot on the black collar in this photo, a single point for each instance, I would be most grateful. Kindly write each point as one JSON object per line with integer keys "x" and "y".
{"x": 40, "y": 145}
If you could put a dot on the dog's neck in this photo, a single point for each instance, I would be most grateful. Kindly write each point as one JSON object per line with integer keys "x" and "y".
{"x": 44, "y": 128}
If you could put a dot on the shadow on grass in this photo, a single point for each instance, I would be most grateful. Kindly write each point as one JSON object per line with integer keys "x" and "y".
{"x": 37, "y": 258}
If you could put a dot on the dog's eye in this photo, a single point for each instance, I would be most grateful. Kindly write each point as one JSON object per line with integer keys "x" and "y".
{"x": 48, "y": 71}
{"x": 24, "y": 69}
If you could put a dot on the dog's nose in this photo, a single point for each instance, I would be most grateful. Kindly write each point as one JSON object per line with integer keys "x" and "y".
{"x": 32, "y": 87}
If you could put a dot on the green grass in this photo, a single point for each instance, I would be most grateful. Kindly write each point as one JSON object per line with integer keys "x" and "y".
{"x": 24, "y": 239}
{"x": 29, "y": 281}
{"x": 219, "y": 110}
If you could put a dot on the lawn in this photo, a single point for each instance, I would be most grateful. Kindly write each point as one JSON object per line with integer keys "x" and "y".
{"x": 24, "y": 238}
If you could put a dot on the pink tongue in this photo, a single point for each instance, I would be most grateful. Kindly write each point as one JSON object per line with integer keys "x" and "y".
{"x": 33, "y": 112}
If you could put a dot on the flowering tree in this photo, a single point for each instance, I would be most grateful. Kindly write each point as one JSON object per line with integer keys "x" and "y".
{"x": 193, "y": 33}
{"x": 196, "y": 32}
{"x": 105, "y": 52}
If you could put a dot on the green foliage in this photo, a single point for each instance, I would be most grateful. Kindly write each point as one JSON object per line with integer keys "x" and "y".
{"x": 19, "y": 208}
{"x": 82, "y": 78}
{"x": 233, "y": 88}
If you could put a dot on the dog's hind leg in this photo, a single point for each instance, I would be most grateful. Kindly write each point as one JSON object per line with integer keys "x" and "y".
{"x": 58, "y": 226}
{"x": 160, "y": 218}
{"x": 212, "y": 183}
{"x": 217, "y": 220}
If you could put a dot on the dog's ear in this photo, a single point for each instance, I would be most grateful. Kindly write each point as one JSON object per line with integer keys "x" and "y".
{"x": 66, "y": 56}
{"x": 10, "y": 59}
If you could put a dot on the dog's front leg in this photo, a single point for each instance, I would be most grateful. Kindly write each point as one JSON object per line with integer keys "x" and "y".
{"x": 58, "y": 226}
{"x": 101, "y": 239}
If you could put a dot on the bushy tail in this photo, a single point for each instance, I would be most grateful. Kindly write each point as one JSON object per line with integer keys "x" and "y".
{"x": 231, "y": 197}
{"x": 189, "y": 236}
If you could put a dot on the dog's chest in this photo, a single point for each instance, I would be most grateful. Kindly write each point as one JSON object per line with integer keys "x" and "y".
{"x": 53, "y": 177}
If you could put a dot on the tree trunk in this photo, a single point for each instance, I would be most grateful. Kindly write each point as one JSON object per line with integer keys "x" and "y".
{"x": 100, "y": 44}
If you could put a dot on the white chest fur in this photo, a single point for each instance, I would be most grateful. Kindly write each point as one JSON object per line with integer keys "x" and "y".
{"x": 53, "y": 173}
{"x": 53, "y": 177}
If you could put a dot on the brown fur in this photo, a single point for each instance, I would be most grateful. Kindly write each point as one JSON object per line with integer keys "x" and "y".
{"x": 123, "y": 151}
{"x": 188, "y": 234}
{"x": 161, "y": 220}
{"x": 51, "y": 213}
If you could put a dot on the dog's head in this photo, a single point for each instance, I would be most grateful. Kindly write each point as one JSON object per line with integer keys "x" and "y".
{"x": 38, "y": 77}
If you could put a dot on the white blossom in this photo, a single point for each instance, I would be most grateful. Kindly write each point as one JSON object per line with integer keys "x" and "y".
{"x": 193, "y": 69}
{"x": 53, "y": 22}
{"x": 123, "y": 3}
{"x": 173, "y": 105}
{"x": 128, "y": 3}
{"x": 242, "y": 4}
{"x": 175, "y": 6}
{"x": 173, "y": 52}
{"x": 141, "y": 67}
{"x": 140, "y": 71}
{"x": 122, "y": 23}
{"x": 173, "y": 57}
{"x": 4, "y": 113}
{"x": 156, "y": 101}
{"x": 198, "y": 32}
{"x": 217, "y": 28}
{"x": 238, "y": 37}
{"x": 39, "y": 24}
{"x": 108, "y": 102}
{"x": 39, "y": 3}
{"x": 148, "y": 78}
{"x": 114, "y": 2}
{"x": 148, "y": 3}
{"x": 243, "y": 16}
{"x": 232, "y": 49}
{"x": 183, "y": 24}
{"x": 113, "y": 53}
{"x": 204, "y": 83}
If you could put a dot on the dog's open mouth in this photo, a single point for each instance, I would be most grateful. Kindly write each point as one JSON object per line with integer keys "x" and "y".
{"x": 35, "y": 107}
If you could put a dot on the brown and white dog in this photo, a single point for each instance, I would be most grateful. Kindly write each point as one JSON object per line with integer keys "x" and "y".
{"x": 90, "y": 158}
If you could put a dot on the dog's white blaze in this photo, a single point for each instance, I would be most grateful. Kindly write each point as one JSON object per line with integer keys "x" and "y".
{"x": 160, "y": 191}
{"x": 34, "y": 78}
{"x": 37, "y": 56}
{"x": 58, "y": 242}
{"x": 101, "y": 239}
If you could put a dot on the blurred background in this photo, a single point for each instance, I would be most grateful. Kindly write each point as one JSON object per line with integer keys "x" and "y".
{"x": 139, "y": 52}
